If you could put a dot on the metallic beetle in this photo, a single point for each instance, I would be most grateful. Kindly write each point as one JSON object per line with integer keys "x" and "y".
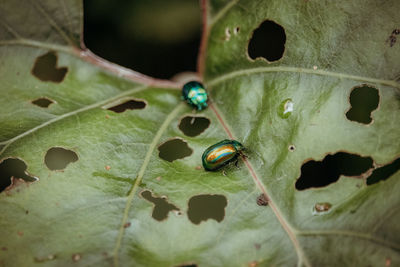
{"x": 221, "y": 154}
{"x": 195, "y": 95}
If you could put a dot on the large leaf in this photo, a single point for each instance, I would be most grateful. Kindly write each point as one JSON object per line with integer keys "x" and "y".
{"x": 91, "y": 212}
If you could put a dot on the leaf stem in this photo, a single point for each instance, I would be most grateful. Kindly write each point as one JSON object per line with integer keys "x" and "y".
{"x": 286, "y": 226}
{"x": 88, "y": 56}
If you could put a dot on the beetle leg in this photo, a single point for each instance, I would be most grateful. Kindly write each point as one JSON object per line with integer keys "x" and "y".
{"x": 237, "y": 164}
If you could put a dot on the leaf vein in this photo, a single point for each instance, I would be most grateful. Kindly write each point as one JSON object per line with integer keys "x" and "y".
{"x": 139, "y": 177}
{"x": 7, "y": 143}
{"x": 238, "y": 73}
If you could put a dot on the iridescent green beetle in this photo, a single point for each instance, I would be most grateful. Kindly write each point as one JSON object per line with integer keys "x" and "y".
{"x": 195, "y": 94}
{"x": 221, "y": 154}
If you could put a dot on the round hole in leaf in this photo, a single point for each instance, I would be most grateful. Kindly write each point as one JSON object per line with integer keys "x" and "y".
{"x": 193, "y": 126}
{"x": 174, "y": 149}
{"x": 363, "y": 100}
{"x": 45, "y": 68}
{"x": 57, "y": 158}
{"x": 204, "y": 207}
{"x": 268, "y": 41}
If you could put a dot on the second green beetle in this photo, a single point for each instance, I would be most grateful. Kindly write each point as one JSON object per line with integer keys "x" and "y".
{"x": 221, "y": 154}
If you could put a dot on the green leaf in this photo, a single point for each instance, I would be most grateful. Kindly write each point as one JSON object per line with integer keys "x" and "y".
{"x": 93, "y": 164}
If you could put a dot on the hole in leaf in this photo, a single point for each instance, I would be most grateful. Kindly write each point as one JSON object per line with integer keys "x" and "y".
{"x": 262, "y": 200}
{"x": 161, "y": 206}
{"x": 11, "y": 169}
{"x": 292, "y": 148}
{"x": 384, "y": 172}
{"x": 193, "y": 126}
{"x": 45, "y": 68}
{"x": 129, "y": 104}
{"x": 187, "y": 265}
{"x": 363, "y": 101}
{"x": 322, "y": 173}
{"x": 57, "y": 158}
{"x": 204, "y": 207}
{"x": 268, "y": 41}
{"x": 43, "y": 102}
{"x": 174, "y": 149}
{"x": 321, "y": 207}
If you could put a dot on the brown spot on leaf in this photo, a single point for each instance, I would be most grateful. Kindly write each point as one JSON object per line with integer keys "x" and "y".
{"x": 262, "y": 200}
{"x": 393, "y": 37}
{"x": 76, "y": 257}
{"x": 126, "y": 225}
{"x": 45, "y": 68}
{"x": 322, "y": 207}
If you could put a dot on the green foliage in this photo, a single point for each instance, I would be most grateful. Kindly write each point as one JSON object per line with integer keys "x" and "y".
{"x": 92, "y": 213}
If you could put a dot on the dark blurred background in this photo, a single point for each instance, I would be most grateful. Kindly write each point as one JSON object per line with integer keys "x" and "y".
{"x": 159, "y": 38}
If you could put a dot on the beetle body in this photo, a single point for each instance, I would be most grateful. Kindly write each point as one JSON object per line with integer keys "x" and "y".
{"x": 195, "y": 94}
{"x": 221, "y": 154}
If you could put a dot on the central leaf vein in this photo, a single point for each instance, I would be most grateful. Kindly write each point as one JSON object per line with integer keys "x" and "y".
{"x": 139, "y": 177}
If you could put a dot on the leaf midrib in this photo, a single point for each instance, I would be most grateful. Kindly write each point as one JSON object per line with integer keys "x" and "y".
{"x": 139, "y": 177}
{"x": 291, "y": 232}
